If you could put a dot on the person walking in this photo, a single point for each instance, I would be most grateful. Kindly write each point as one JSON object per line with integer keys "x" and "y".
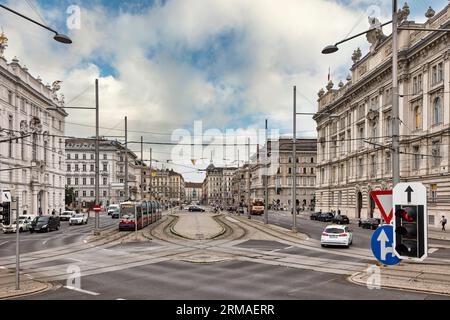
{"x": 443, "y": 222}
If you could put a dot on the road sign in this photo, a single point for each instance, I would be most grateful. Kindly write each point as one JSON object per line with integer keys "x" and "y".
{"x": 383, "y": 245}
{"x": 411, "y": 221}
{"x": 97, "y": 208}
{"x": 6, "y": 196}
{"x": 383, "y": 199}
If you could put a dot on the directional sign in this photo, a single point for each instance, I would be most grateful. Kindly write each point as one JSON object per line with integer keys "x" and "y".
{"x": 383, "y": 199}
{"x": 382, "y": 245}
{"x": 413, "y": 193}
{"x": 6, "y": 196}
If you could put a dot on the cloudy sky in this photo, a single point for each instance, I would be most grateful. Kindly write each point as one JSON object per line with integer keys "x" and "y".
{"x": 166, "y": 64}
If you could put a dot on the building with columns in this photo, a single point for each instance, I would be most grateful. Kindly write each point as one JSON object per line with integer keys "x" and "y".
{"x": 354, "y": 146}
{"x": 217, "y": 185}
{"x": 32, "y": 125}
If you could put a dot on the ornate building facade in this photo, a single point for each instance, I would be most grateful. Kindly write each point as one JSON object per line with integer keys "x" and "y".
{"x": 217, "y": 186}
{"x": 354, "y": 146}
{"x": 31, "y": 138}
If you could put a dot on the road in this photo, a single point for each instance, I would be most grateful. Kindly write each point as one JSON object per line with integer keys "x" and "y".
{"x": 232, "y": 280}
{"x": 40, "y": 241}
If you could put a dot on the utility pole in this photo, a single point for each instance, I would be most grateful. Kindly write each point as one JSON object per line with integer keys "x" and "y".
{"x": 395, "y": 99}
{"x": 97, "y": 159}
{"x": 249, "y": 202}
{"x": 17, "y": 243}
{"x": 266, "y": 181}
{"x": 126, "y": 161}
{"x": 239, "y": 187}
{"x": 151, "y": 172}
{"x": 142, "y": 167}
{"x": 294, "y": 166}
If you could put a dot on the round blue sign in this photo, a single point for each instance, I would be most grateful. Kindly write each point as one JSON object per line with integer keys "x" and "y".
{"x": 382, "y": 245}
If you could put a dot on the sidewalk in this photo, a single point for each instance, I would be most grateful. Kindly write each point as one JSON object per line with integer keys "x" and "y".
{"x": 437, "y": 234}
{"x": 27, "y": 286}
{"x": 197, "y": 226}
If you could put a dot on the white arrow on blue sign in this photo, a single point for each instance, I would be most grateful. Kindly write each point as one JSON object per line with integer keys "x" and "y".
{"x": 382, "y": 245}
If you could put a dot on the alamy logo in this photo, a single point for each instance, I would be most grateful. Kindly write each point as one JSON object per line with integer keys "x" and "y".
{"x": 74, "y": 277}
{"x": 374, "y": 278}
{"x": 74, "y": 20}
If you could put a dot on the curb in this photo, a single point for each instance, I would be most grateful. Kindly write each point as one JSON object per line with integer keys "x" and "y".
{"x": 47, "y": 287}
{"x": 352, "y": 279}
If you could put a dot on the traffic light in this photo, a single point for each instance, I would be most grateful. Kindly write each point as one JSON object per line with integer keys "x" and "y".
{"x": 410, "y": 231}
{"x": 5, "y": 212}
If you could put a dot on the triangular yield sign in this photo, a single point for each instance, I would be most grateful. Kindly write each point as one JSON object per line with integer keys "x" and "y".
{"x": 383, "y": 199}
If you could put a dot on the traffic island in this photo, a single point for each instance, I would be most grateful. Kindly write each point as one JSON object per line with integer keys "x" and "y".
{"x": 195, "y": 226}
{"x": 27, "y": 286}
{"x": 425, "y": 278}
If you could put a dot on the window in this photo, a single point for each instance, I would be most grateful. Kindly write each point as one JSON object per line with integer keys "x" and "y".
{"x": 304, "y": 170}
{"x": 360, "y": 167}
{"x": 322, "y": 175}
{"x": 289, "y": 170}
{"x": 341, "y": 173}
{"x": 68, "y": 156}
{"x": 417, "y": 84}
{"x": 312, "y": 170}
{"x": 92, "y": 181}
{"x": 76, "y": 181}
{"x": 68, "y": 167}
{"x": 76, "y": 156}
{"x": 434, "y": 75}
{"x": 105, "y": 193}
{"x": 388, "y": 163}
{"x": 417, "y": 118}
{"x": 349, "y": 141}
{"x": 373, "y": 166}
{"x": 84, "y": 193}
{"x": 69, "y": 181}
{"x": 34, "y": 147}
{"x": 361, "y": 137}
{"x": 105, "y": 156}
{"x": 92, "y": 156}
{"x": 77, "y": 168}
{"x": 105, "y": 181}
{"x": 440, "y": 72}
{"x": 289, "y": 160}
{"x": 333, "y": 147}
{"x": 84, "y": 181}
{"x": 92, "y": 168}
{"x": 388, "y": 126}
{"x": 433, "y": 193}
{"x": 437, "y": 111}
{"x": 105, "y": 167}
{"x": 10, "y": 97}
{"x": 84, "y": 168}
{"x": 333, "y": 174}
{"x": 416, "y": 163}
{"x": 436, "y": 153}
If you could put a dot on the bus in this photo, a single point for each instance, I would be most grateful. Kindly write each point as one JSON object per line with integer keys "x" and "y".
{"x": 257, "y": 207}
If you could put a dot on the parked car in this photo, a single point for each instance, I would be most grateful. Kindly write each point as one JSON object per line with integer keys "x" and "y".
{"x": 341, "y": 219}
{"x": 113, "y": 208}
{"x": 24, "y": 225}
{"x": 45, "y": 223}
{"x": 336, "y": 235}
{"x": 325, "y": 217}
{"x": 196, "y": 209}
{"x": 66, "y": 215}
{"x": 314, "y": 215}
{"x": 369, "y": 223}
{"x": 78, "y": 218}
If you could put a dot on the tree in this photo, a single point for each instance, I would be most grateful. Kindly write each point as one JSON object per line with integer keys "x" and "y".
{"x": 69, "y": 195}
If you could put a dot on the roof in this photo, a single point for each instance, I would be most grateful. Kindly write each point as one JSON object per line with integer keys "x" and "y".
{"x": 197, "y": 185}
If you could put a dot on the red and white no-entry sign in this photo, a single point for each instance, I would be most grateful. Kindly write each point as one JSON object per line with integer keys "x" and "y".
{"x": 383, "y": 199}
{"x": 97, "y": 208}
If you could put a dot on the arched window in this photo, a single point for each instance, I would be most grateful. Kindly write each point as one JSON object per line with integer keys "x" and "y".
{"x": 437, "y": 111}
{"x": 417, "y": 118}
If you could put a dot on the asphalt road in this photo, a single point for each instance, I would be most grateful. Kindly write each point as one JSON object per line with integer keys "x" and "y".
{"x": 232, "y": 280}
{"x": 40, "y": 241}
{"x": 361, "y": 237}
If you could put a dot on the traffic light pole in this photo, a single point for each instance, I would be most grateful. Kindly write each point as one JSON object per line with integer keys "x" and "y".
{"x": 97, "y": 160}
{"x": 395, "y": 99}
{"x": 294, "y": 165}
{"x": 266, "y": 181}
{"x": 249, "y": 201}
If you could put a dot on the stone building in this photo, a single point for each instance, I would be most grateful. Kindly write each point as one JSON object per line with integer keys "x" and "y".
{"x": 217, "y": 185}
{"x": 166, "y": 186}
{"x": 80, "y": 172}
{"x": 280, "y": 173}
{"x": 354, "y": 153}
{"x": 194, "y": 192}
{"x": 32, "y": 124}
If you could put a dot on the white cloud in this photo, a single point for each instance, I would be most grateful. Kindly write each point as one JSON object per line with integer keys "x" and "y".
{"x": 277, "y": 45}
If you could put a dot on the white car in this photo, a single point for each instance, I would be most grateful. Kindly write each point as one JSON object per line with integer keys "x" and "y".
{"x": 78, "y": 218}
{"x": 336, "y": 235}
{"x": 66, "y": 215}
{"x": 24, "y": 225}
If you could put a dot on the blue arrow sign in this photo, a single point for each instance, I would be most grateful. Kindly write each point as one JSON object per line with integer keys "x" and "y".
{"x": 382, "y": 241}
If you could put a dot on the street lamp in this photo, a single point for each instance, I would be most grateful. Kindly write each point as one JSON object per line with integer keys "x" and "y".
{"x": 58, "y": 36}
{"x": 395, "y": 99}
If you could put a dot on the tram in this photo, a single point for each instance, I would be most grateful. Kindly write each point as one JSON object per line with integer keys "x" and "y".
{"x": 138, "y": 215}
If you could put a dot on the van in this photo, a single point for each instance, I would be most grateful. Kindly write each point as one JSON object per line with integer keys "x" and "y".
{"x": 45, "y": 223}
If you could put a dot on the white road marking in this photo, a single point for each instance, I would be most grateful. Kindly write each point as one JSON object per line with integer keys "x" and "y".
{"x": 4, "y": 243}
{"x": 77, "y": 260}
{"x": 432, "y": 250}
{"x": 2, "y": 267}
{"x": 231, "y": 219}
{"x": 82, "y": 291}
{"x": 120, "y": 299}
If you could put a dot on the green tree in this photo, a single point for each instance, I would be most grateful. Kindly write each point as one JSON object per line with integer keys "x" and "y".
{"x": 69, "y": 195}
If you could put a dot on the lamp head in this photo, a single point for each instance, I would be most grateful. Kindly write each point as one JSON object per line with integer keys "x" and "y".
{"x": 330, "y": 49}
{"x": 62, "y": 38}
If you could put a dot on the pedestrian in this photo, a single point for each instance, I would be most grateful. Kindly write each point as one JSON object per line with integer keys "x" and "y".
{"x": 443, "y": 222}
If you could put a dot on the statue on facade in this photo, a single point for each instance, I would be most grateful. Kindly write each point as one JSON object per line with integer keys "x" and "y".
{"x": 3, "y": 43}
{"x": 403, "y": 13}
{"x": 375, "y": 36}
{"x": 56, "y": 86}
{"x": 430, "y": 13}
{"x": 356, "y": 56}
